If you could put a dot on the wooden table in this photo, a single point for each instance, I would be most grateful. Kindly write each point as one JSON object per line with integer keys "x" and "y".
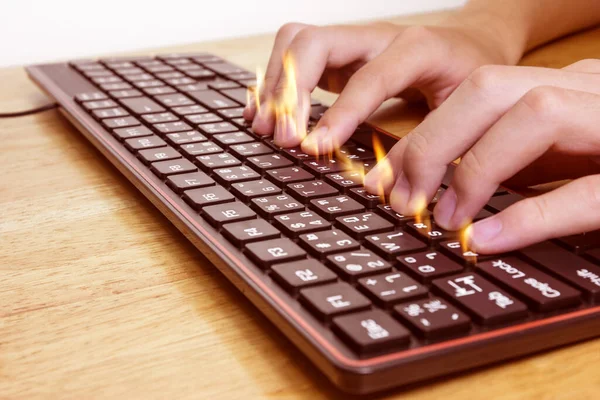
{"x": 101, "y": 297}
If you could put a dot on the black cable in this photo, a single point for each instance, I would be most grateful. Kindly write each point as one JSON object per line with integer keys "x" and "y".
{"x": 29, "y": 112}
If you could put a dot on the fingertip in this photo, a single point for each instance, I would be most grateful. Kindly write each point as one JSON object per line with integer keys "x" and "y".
{"x": 317, "y": 142}
{"x": 485, "y": 236}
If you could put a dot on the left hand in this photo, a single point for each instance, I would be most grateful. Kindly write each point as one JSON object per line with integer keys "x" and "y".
{"x": 522, "y": 124}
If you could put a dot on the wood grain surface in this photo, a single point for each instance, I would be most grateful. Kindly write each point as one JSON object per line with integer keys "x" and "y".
{"x": 101, "y": 297}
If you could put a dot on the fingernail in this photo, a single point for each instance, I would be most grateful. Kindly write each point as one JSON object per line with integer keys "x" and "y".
{"x": 484, "y": 232}
{"x": 316, "y": 142}
{"x": 445, "y": 208}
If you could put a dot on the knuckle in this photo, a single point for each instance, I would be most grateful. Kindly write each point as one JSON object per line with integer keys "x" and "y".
{"x": 486, "y": 78}
{"x": 417, "y": 33}
{"x": 588, "y": 64}
{"x": 538, "y": 209}
{"x": 307, "y": 35}
{"x": 290, "y": 29}
{"x": 544, "y": 101}
{"x": 470, "y": 168}
{"x": 416, "y": 149}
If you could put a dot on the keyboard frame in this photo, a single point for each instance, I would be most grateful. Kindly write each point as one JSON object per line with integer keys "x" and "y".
{"x": 344, "y": 368}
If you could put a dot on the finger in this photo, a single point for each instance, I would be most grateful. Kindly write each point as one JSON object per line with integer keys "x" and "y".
{"x": 589, "y": 66}
{"x": 312, "y": 51}
{"x": 382, "y": 177}
{"x": 284, "y": 37}
{"x": 450, "y": 130}
{"x": 570, "y": 209}
{"x": 545, "y": 118}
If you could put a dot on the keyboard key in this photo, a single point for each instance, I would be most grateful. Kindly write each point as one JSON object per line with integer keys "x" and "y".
{"x": 148, "y": 84}
{"x": 336, "y": 206}
{"x": 237, "y": 94}
{"x": 220, "y": 214}
{"x": 371, "y": 331}
{"x": 225, "y": 68}
{"x": 109, "y": 113}
{"x": 171, "y": 127}
{"x": 270, "y": 206}
{"x": 182, "y": 182}
{"x": 430, "y": 231}
{"x": 301, "y": 274}
{"x": 541, "y": 291}
{"x": 361, "y": 225}
{"x": 345, "y": 180}
{"x": 219, "y": 160}
{"x": 433, "y": 318}
{"x": 213, "y": 100}
{"x": 305, "y": 191}
{"x": 227, "y": 176}
{"x": 487, "y": 303}
{"x": 357, "y": 263}
{"x": 207, "y": 196}
{"x": 250, "y": 149}
{"x": 172, "y": 167}
{"x": 189, "y": 110}
{"x": 295, "y": 224}
{"x": 595, "y": 255}
{"x": 217, "y": 127}
{"x": 174, "y": 100}
{"x": 192, "y": 150}
{"x": 160, "y": 154}
{"x": 327, "y": 301}
{"x": 392, "y": 287}
{"x": 120, "y": 90}
{"x": 154, "y": 91}
{"x": 356, "y": 153}
{"x": 95, "y": 105}
{"x": 198, "y": 119}
{"x": 181, "y": 138}
{"x": 296, "y": 154}
{"x": 323, "y": 243}
{"x": 386, "y": 211}
{"x": 220, "y": 85}
{"x": 323, "y": 167}
{"x": 240, "y": 233}
{"x": 582, "y": 242}
{"x": 141, "y": 105}
{"x": 268, "y": 161}
{"x": 231, "y": 138}
{"x": 231, "y": 113}
{"x": 136, "y": 131}
{"x": 159, "y": 118}
{"x": 249, "y": 190}
{"x": 365, "y": 198}
{"x": 242, "y": 76}
{"x": 146, "y": 142}
{"x": 269, "y": 252}
{"x": 392, "y": 244}
{"x": 283, "y": 176}
{"x": 429, "y": 265}
{"x": 455, "y": 250}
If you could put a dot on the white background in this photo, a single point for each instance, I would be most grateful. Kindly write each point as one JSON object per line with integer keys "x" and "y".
{"x": 44, "y": 30}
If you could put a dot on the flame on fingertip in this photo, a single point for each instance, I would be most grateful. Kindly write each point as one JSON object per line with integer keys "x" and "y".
{"x": 465, "y": 236}
{"x": 384, "y": 167}
{"x": 419, "y": 206}
{"x": 288, "y": 105}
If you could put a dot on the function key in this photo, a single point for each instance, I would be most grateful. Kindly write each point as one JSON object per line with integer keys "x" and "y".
{"x": 218, "y": 127}
{"x": 541, "y": 291}
{"x": 124, "y": 122}
{"x": 335, "y": 206}
{"x": 345, "y": 180}
{"x": 197, "y": 119}
{"x": 387, "y": 212}
{"x": 433, "y": 318}
{"x": 429, "y": 265}
{"x": 95, "y": 105}
{"x": 173, "y": 100}
{"x": 430, "y": 231}
{"x": 207, "y": 196}
{"x": 146, "y": 142}
{"x": 188, "y": 110}
{"x": 240, "y": 233}
{"x": 220, "y": 214}
{"x": 182, "y": 182}
{"x": 307, "y": 190}
{"x": 160, "y": 154}
{"x": 136, "y": 131}
{"x": 365, "y": 198}
{"x": 270, "y": 206}
{"x": 327, "y": 242}
{"x": 159, "y": 118}
{"x": 227, "y": 176}
{"x": 485, "y": 301}
{"x": 282, "y": 176}
{"x": 327, "y": 301}
{"x": 323, "y": 167}
{"x": 192, "y": 150}
{"x": 219, "y": 160}
{"x": 231, "y": 138}
{"x": 213, "y": 100}
{"x": 357, "y": 263}
{"x": 371, "y": 332}
{"x": 392, "y": 287}
{"x": 392, "y": 244}
{"x": 269, "y": 252}
{"x": 360, "y": 225}
{"x": 141, "y": 105}
{"x": 249, "y": 190}
{"x": 170, "y": 127}
{"x": 268, "y": 161}
{"x": 250, "y": 149}
{"x": 295, "y": 224}
{"x": 172, "y": 167}
{"x": 181, "y": 138}
{"x": 303, "y": 273}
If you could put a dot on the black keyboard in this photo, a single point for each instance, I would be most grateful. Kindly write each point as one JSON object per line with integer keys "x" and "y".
{"x": 374, "y": 298}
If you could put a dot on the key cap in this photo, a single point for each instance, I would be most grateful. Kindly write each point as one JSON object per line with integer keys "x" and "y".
{"x": 240, "y": 233}
{"x": 499, "y": 203}
{"x": 295, "y": 224}
{"x": 357, "y": 263}
{"x": 138, "y": 77}
{"x": 320, "y": 168}
{"x": 594, "y": 255}
{"x": 153, "y": 91}
{"x": 237, "y": 94}
{"x": 141, "y": 105}
{"x": 219, "y": 160}
{"x": 220, "y": 214}
{"x": 387, "y": 212}
{"x": 541, "y": 291}
{"x": 582, "y": 242}
{"x": 207, "y": 196}
{"x": 136, "y": 131}
{"x": 327, "y": 301}
{"x": 345, "y": 180}
{"x": 356, "y": 153}
{"x": 217, "y": 127}
{"x": 109, "y": 113}
{"x": 192, "y": 150}
{"x": 433, "y": 318}
{"x": 429, "y": 265}
{"x": 268, "y": 161}
{"x": 270, "y": 206}
{"x": 181, "y": 138}
{"x": 172, "y": 167}
{"x": 269, "y": 252}
{"x": 227, "y": 176}
{"x": 392, "y": 287}
{"x": 88, "y": 96}
{"x": 146, "y": 142}
{"x": 305, "y": 191}
{"x": 198, "y": 119}
{"x": 213, "y": 100}
{"x": 242, "y": 76}
{"x": 163, "y": 153}
{"x": 323, "y": 243}
{"x": 201, "y": 74}
{"x": 189, "y": 110}
{"x": 225, "y": 68}
{"x": 250, "y": 149}
{"x": 373, "y": 331}
{"x": 106, "y": 79}
{"x": 220, "y": 85}
{"x": 252, "y": 189}
{"x": 487, "y": 303}
{"x": 336, "y": 206}
{"x": 283, "y": 176}
{"x": 196, "y": 87}
{"x": 148, "y": 84}
{"x": 95, "y": 105}
{"x": 430, "y": 231}
{"x": 296, "y": 154}
{"x": 120, "y": 90}
{"x": 173, "y": 100}
{"x": 365, "y": 198}
{"x": 182, "y": 182}
{"x": 171, "y": 127}
{"x": 231, "y": 113}
{"x": 392, "y": 244}
{"x": 159, "y": 118}
{"x": 455, "y": 250}
{"x": 363, "y": 224}
{"x": 231, "y": 138}
{"x": 300, "y": 274}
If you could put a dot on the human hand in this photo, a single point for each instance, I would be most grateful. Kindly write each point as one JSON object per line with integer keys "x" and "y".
{"x": 369, "y": 64}
{"x": 530, "y": 125}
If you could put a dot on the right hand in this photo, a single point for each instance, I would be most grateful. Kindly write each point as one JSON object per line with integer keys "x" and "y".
{"x": 368, "y": 65}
